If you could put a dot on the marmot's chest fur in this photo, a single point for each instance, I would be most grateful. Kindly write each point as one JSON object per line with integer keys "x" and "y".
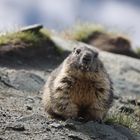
{"x": 83, "y": 92}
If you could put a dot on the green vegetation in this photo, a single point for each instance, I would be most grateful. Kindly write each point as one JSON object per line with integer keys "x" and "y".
{"x": 26, "y": 37}
{"x": 81, "y": 32}
{"x": 138, "y": 51}
{"x": 125, "y": 119}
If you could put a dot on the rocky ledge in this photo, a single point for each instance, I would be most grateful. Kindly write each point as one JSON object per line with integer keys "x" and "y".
{"x": 22, "y": 115}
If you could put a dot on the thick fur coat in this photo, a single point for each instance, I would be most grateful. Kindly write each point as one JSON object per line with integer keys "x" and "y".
{"x": 79, "y": 87}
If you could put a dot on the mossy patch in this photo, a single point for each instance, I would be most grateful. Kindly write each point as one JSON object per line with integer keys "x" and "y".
{"x": 137, "y": 50}
{"x": 125, "y": 119}
{"x": 27, "y": 37}
{"x": 83, "y": 31}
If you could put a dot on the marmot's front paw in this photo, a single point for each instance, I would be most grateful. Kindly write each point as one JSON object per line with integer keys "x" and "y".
{"x": 67, "y": 82}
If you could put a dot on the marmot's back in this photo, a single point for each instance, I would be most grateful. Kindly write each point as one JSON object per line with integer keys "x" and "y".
{"x": 79, "y": 87}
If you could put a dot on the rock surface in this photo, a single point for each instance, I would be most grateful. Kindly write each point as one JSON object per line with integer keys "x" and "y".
{"x": 22, "y": 115}
{"x": 32, "y": 28}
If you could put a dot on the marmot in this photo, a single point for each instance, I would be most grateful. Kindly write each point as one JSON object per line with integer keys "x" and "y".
{"x": 79, "y": 87}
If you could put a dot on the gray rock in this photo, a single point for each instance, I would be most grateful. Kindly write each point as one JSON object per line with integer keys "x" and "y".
{"x": 32, "y": 28}
{"x": 15, "y": 127}
{"x": 56, "y": 125}
{"x": 100, "y": 131}
{"x": 125, "y": 131}
{"x": 74, "y": 137}
{"x": 24, "y": 81}
{"x": 22, "y": 115}
{"x": 125, "y": 73}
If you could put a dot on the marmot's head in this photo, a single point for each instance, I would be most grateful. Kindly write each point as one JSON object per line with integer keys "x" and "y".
{"x": 83, "y": 59}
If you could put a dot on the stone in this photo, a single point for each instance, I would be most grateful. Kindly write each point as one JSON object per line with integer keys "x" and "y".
{"x": 32, "y": 28}
{"x": 15, "y": 127}
{"x": 20, "y": 88}
{"x": 23, "y": 81}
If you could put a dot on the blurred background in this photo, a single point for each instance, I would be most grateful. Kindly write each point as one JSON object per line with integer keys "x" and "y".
{"x": 30, "y": 54}
{"x": 122, "y": 15}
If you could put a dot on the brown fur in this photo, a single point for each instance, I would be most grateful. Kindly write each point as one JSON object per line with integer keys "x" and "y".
{"x": 71, "y": 93}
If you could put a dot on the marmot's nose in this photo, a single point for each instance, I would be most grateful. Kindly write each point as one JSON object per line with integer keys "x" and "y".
{"x": 86, "y": 59}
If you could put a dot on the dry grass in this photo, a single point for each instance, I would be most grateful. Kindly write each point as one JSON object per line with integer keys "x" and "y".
{"x": 125, "y": 119}
{"x": 137, "y": 50}
{"x": 82, "y": 31}
{"x": 114, "y": 41}
{"x": 30, "y": 39}
{"x": 26, "y": 37}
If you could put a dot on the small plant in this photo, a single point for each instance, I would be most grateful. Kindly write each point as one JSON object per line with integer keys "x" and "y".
{"x": 29, "y": 39}
{"x": 81, "y": 32}
{"x": 26, "y": 37}
{"x": 125, "y": 119}
{"x": 17, "y": 37}
{"x": 138, "y": 51}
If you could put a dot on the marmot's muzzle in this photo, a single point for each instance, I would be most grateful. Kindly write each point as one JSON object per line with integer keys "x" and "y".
{"x": 86, "y": 59}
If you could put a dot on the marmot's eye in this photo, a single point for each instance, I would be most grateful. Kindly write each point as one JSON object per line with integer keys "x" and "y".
{"x": 78, "y": 51}
{"x": 96, "y": 55}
